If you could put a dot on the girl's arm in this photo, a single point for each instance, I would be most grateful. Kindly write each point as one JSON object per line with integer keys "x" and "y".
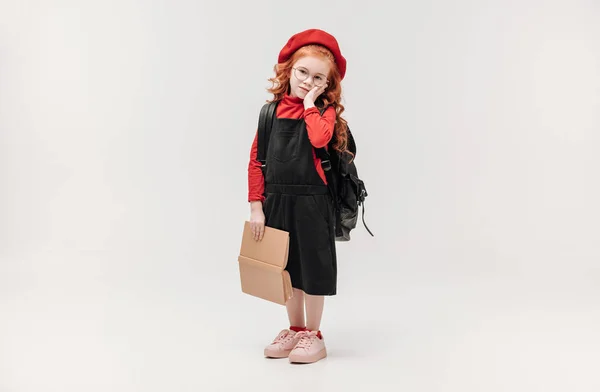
{"x": 320, "y": 128}
{"x": 256, "y": 197}
{"x": 256, "y": 183}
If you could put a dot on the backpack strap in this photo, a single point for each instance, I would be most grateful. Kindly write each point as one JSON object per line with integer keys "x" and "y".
{"x": 322, "y": 153}
{"x": 265, "y": 123}
{"x": 325, "y": 158}
{"x": 362, "y": 194}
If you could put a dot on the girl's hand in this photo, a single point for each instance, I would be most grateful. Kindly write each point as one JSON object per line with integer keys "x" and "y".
{"x": 257, "y": 222}
{"x": 312, "y": 95}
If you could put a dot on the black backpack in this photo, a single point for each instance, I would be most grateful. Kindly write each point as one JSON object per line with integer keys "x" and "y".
{"x": 347, "y": 190}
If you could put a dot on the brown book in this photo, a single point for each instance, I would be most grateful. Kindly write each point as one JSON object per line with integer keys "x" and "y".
{"x": 262, "y": 265}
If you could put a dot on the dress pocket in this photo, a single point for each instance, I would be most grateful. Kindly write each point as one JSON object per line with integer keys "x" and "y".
{"x": 319, "y": 208}
{"x": 311, "y": 213}
{"x": 284, "y": 145}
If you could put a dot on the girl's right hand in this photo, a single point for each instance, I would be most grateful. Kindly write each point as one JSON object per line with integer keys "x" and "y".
{"x": 257, "y": 222}
{"x": 312, "y": 95}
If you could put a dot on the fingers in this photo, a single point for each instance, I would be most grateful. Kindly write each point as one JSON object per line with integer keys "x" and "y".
{"x": 254, "y": 230}
{"x": 318, "y": 90}
{"x": 258, "y": 230}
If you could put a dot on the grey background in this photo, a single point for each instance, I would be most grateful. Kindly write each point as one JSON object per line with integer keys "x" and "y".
{"x": 125, "y": 130}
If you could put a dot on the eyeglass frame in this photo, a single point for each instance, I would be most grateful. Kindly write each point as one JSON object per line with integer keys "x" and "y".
{"x": 313, "y": 76}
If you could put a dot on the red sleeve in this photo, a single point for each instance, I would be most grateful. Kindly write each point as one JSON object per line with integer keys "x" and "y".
{"x": 319, "y": 128}
{"x": 256, "y": 182}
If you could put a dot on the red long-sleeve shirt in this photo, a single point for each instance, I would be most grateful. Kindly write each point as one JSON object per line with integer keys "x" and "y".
{"x": 319, "y": 128}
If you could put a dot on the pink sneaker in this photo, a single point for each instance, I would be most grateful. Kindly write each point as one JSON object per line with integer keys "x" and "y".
{"x": 282, "y": 345}
{"x": 309, "y": 348}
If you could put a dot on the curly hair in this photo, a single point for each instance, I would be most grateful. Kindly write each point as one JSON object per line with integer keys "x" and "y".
{"x": 331, "y": 96}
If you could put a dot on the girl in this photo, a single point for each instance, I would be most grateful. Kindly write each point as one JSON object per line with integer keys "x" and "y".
{"x": 293, "y": 194}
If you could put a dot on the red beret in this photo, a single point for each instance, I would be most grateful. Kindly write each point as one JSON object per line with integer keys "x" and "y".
{"x": 314, "y": 36}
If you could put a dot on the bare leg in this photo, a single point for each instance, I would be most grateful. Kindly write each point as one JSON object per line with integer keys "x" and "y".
{"x": 314, "y": 311}
{"x": 295, "y": 309}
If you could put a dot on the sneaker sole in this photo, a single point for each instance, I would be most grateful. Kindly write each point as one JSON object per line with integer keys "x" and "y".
{"x": 277, "y": 354}
{"x": 308, "y": 359}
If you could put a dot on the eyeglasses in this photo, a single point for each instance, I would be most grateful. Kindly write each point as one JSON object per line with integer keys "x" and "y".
{"x": 302, "y": 74}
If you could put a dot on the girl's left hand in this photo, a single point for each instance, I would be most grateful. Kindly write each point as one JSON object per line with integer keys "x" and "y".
{"x": 312, "y": 95}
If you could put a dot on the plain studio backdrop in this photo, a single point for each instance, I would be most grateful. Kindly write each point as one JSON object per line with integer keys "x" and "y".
{"x": 125, "y": 132}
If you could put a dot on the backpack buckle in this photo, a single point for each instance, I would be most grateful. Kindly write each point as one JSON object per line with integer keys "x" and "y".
{"x": 362, "y": 192}
{"x": 326, "y": 165}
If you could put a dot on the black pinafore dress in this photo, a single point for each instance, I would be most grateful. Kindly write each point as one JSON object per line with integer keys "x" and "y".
{"x": 298, "y": 201}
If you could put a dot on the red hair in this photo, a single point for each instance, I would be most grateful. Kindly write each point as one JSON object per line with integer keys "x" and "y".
{"x": 331, "y": 96}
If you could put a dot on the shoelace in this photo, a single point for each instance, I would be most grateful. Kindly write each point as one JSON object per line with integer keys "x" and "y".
{"x": 282, "y": 337}
{"x": 306, "y": 339}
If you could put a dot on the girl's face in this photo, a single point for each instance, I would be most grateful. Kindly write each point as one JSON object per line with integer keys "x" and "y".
{"x": 307, "y": 73}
